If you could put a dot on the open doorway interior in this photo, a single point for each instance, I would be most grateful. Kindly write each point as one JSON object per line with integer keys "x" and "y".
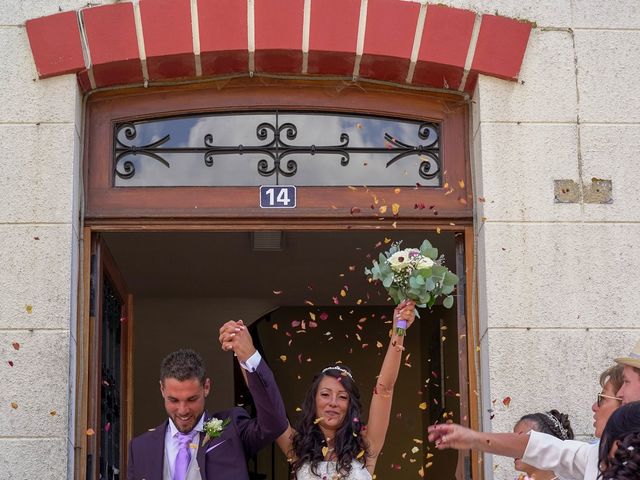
{"x": 309, "y": 305}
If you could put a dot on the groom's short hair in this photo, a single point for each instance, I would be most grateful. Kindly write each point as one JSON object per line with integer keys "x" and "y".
{"x": 182, "y": 365}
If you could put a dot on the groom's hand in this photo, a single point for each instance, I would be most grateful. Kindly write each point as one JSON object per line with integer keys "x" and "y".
{"x": 235, "y": 336}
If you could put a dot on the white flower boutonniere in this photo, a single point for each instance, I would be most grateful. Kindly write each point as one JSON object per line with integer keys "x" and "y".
{"x": 214, "y": 428}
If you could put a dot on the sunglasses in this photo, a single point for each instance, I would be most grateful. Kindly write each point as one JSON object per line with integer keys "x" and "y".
{"x": 602, "y": 396}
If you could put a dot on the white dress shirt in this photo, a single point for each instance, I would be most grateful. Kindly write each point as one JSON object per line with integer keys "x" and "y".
{"x": 569, "y": 459}
{"x": 171, "y": 444}
{"x": 252, "y": 362}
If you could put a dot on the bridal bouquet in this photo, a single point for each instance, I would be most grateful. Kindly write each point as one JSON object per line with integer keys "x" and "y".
{"x": 416, "y": 274}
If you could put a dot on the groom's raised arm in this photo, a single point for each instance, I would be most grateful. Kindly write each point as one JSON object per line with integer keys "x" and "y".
{"x": 271, "y": 418}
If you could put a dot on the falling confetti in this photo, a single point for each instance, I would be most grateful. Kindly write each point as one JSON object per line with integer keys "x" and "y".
{"x": 354, "y": 210}
{"x": 29, "y": 309}
{"x": 283, "y": 358}
{"x": 90, "y": 432}
{"x": 16, "y": 345}
{"x": 53, "y": 413}
{"x": 14, "y": 405}
{"x": 461, "y": 183}
{"x": 395, "y": 208}
{"x": 506, "y": 401}
{"x": 10, "y": 363}
{"x": 383, "y": 209}
{"x": 277, "y": 292}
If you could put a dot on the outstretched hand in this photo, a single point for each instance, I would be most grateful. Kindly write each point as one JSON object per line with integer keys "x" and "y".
{"x": 235, "y": 336}
{"x": 406, "y": 310}
{"x": 451, "y": 435}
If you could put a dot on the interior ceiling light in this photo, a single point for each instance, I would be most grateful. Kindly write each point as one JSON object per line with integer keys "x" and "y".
{"x": 263, "y": 241}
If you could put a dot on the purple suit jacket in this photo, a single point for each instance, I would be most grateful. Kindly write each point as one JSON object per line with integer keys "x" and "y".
{"x": 225, "y": 456}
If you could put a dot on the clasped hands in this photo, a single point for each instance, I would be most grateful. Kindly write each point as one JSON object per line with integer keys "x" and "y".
{"x": 235, "y": 336}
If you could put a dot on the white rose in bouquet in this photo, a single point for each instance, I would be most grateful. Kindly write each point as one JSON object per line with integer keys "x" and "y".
{"x": 425, "y": 262}
{"x": 399, "y": 260}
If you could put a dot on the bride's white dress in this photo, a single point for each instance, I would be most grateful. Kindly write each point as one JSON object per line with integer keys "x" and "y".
{"x": 327, "y": 471}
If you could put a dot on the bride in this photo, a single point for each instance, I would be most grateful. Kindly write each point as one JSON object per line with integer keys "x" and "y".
{"x": 330, "y": 441}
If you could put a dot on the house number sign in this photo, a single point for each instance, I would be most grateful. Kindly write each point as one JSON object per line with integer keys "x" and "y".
{"x": 277, "y": 196}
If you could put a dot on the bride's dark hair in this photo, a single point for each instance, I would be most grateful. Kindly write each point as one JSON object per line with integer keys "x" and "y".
{"x": 348, "y": 442}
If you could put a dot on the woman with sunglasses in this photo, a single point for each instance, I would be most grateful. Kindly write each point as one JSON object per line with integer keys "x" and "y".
{"x": 569, "y": 459}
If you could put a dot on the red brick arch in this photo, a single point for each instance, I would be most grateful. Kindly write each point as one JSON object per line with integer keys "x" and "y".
{"x": 403, "y": 42}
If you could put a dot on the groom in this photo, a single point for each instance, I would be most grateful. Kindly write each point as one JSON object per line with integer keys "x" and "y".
{"x": 179, "y": 449}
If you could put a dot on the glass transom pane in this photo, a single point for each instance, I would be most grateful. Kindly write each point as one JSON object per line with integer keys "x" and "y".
{"x": 294, "y": 148}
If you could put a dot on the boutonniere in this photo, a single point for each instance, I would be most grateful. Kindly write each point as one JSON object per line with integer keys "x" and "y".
{"x": 214, "y": 428}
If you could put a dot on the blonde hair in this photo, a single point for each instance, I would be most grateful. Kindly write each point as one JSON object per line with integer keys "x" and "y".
{"x": 613, "y": 375}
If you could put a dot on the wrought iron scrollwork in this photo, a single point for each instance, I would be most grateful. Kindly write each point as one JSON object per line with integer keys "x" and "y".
{"x": 125, "y": 168}
{"x": 429, "y": 153}
{"x": 277, "y": 149}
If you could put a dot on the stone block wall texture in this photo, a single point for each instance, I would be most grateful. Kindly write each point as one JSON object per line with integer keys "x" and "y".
{"x": 40, "y": 124}
{"x": 556, "y": 281}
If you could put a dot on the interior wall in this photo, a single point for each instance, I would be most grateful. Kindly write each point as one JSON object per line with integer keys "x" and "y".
{"x": 358, "y": 337}
{"x": 163, "y": 325}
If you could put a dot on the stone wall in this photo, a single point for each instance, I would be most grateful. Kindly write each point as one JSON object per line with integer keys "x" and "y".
{"x": 557, "y": 281}
{"x": 40, "y": 125}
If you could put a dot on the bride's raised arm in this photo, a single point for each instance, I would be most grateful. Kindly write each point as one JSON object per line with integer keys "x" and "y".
{"x": 380, "y": 409}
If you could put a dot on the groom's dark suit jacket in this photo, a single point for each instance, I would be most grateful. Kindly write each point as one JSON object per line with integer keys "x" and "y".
{"x": 226, "y": 456}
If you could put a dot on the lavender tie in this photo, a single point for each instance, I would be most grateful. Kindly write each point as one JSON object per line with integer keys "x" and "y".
{"x": 184, "y": 456}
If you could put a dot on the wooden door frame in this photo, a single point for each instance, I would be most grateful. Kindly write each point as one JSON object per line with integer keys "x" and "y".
{"x": 467, "y": 339}
{"x": 96, "y": 255}
{"x": 107, "y": 203}
{"x": 229, "y": 209}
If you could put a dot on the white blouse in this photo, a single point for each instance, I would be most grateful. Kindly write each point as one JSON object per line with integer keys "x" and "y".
{"x": 569, "y": 459}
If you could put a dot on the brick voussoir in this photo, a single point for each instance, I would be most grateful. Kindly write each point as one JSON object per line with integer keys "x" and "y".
{"x": 501, "y": 46}
{"x": 55, "y": 44}
{"x": 113, "y": 44}
{"x": 278, "y": 36}
{"x": 168, "y": 55}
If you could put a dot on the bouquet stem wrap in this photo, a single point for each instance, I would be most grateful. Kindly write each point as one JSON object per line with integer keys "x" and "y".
{"x": 401, "y": 327}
